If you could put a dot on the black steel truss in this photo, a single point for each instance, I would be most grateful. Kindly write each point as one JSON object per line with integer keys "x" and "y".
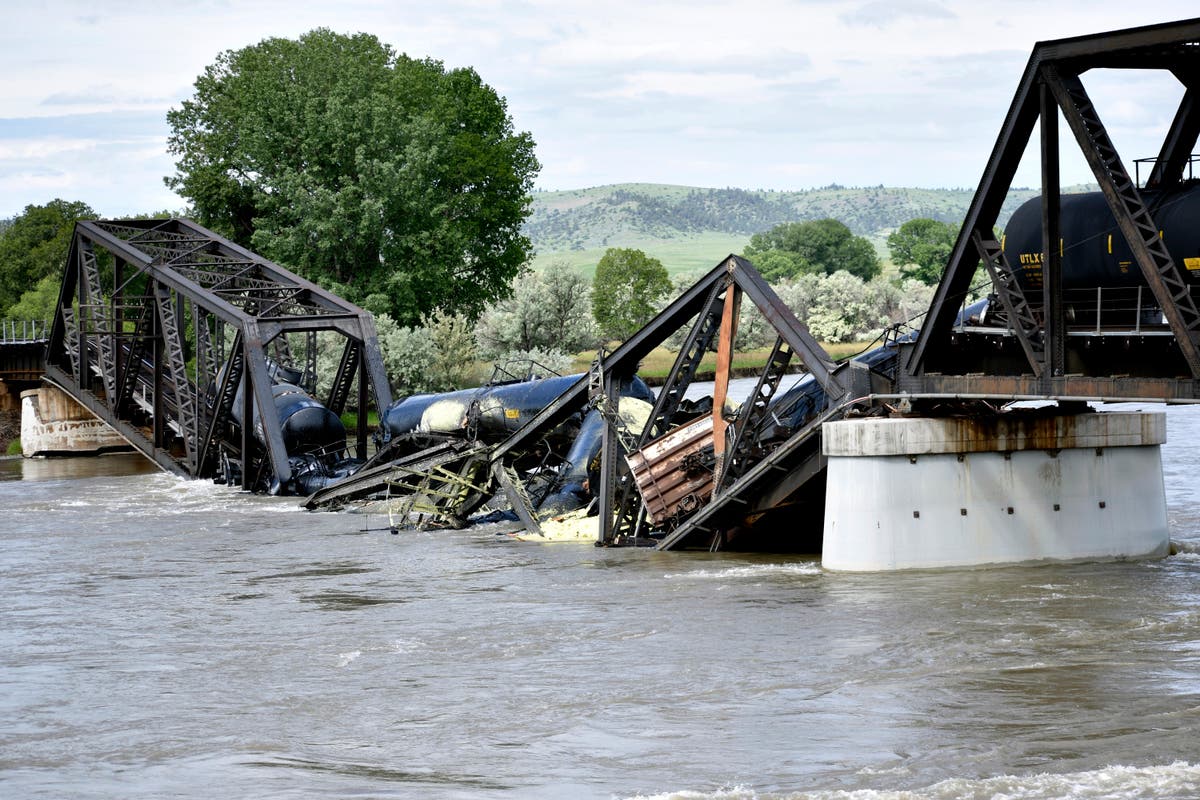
{"x": 622, "y": 511}
{"x": 1050, "y": 86}
{"x": 160, "y": 324}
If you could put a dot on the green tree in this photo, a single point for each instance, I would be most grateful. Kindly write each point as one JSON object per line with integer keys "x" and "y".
{"x": 39, "y": 302}
{"x": 921, "y": 247}
{"x": 363, "y": 170}
{"x": 549, "y": 311}
{"x": 453, "y": 338}
{"x": 35, "y": 247}
{"x": 408, "y": 355}
{"x": 776, "y": 265}
{"x": 627, "y": 291}
{"x": 822, "y": 246}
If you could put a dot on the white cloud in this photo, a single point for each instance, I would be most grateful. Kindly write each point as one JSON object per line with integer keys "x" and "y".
{"x": 730, "y": 87}
{"x": 773, "y": 93}
{"x": 884, "y": 13}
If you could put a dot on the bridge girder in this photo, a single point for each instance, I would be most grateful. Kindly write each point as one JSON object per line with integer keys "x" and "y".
{"x": 1049, "y": 87}
{"x": 161, "y": 324}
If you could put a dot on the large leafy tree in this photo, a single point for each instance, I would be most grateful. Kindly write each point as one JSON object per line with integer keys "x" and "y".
{"x": 922, "y": 247}
{"x": 820, "y": 246}
{"x": 33, "y": 249}
{"x": 627, "y": 290}
{"x": 369, "y": 172}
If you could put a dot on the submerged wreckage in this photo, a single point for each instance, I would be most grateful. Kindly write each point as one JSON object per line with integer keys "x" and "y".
{"x": 911, "y": 455}
{"x": 647, "y": 470}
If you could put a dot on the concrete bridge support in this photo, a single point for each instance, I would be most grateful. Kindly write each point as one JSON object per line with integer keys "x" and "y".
{"x": 913, "y": 493}
{"x": 52, "y": 423}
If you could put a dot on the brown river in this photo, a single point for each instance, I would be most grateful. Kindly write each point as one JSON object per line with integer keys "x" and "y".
{"x": 169, "y": 639}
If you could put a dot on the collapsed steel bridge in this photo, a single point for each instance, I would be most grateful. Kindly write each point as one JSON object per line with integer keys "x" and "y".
{"x": 751, "y": 454}
{"x": 175, "y": 336}
{"x": 723, "y": 479}
{"x": 726, "y": 482}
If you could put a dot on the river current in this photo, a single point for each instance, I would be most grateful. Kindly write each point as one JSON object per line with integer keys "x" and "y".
{"x": 165, "y": 638}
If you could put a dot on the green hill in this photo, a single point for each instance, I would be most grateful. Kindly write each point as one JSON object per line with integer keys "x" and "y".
{"x": 689, "y": 228}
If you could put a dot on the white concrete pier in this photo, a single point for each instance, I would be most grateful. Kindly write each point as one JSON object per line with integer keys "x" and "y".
{"x": 913, "y": 493}
{"x": 54, "y": 424}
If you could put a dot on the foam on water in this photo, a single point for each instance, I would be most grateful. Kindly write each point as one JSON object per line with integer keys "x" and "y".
{"x": 806, "y": 568}
{"x": 1177, "y": 781}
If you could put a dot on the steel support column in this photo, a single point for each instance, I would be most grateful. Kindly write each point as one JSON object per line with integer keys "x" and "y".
{"x": 1054, "y": 320}
{"x": 1133, "y": 218}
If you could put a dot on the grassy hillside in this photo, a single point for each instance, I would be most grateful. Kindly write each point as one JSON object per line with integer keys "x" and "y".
{"x": 691, "y": 229}
{"x": 680, "y": 255}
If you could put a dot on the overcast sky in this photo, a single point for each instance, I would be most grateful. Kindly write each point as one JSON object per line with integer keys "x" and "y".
{"x": 761, "y": 94}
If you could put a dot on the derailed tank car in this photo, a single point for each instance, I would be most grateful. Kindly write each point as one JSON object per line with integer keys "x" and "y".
{"x": 313, "y": 436}
{"x": 1102, "y": 283}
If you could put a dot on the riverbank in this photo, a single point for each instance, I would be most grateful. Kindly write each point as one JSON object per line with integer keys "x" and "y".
{"x": 10, "y": 432}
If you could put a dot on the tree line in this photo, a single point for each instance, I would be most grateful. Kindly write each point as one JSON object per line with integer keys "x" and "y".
{"x": 830, "y": 278}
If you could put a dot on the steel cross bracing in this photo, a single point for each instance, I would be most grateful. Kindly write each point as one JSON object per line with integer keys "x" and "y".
{"x": 1012, "y": 297}
{"x": 630, "y": 512}
{"x": 623, "y": 513}
{"x": 753, "y": 414}
{"x": 161, "y": 326}
{"x": 1047, "y": 356}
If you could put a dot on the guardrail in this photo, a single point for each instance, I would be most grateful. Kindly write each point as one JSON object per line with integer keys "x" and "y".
{"x": 23, "y": 331}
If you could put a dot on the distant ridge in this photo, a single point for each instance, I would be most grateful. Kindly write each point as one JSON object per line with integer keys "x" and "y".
{"x": 688, "y": 227}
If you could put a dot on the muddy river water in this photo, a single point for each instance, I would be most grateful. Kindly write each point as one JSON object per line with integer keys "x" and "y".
{"x": 165, "y": 638}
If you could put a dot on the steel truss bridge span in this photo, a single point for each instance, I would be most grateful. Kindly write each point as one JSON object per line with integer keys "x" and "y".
{"x": 1137, "y": 337}
{"x": 719, "y": 485}
{"x": 179, "y": 338}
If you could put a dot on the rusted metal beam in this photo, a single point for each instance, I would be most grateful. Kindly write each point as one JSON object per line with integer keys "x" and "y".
{"x": 725, "y": 336}
{"x": 1027, "y": 387}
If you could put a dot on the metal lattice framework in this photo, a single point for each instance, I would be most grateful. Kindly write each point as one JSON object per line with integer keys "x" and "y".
{"x": 704, "y": 307}
{"x": 163, "y": 328}
{"x": 1046, "y": 362}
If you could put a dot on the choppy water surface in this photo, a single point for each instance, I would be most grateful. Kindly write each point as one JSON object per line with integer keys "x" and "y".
{"x": 163, "y": 638}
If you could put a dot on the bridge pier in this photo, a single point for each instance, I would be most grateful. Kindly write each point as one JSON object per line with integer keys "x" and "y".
{"x": 9, "y": 402}
{"x": 913, "y": 493}
{"x": 52, "y": 423}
